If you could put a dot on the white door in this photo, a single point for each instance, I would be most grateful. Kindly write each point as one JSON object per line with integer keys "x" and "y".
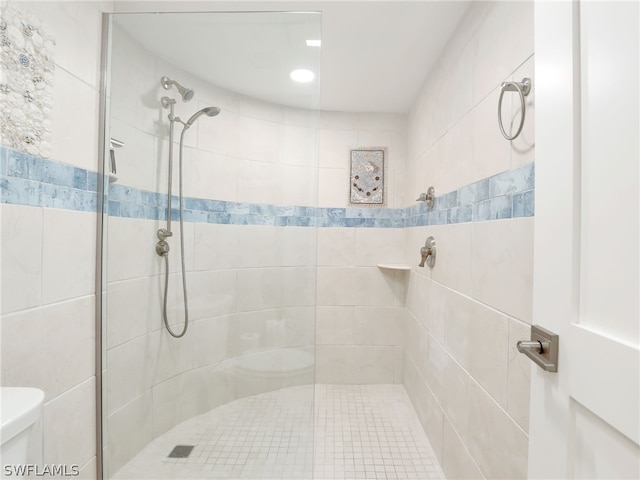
{"x": 585, "y": 419}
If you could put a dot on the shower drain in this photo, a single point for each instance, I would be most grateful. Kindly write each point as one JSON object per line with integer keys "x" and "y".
{"x": 181, "y": 451}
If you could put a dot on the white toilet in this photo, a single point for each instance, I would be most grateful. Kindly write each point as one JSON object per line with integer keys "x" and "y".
{"x": 20, "y": 408}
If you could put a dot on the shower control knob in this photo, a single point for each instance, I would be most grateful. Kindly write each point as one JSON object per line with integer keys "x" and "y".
{"x": 162, "y": 248}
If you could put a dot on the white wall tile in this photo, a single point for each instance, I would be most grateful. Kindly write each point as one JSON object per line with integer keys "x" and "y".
{"x": 519, "y": 382}
{"x": 497, "y": 54}
{"x": 298, "y": 286}
{"x": 260, "y": 109}
{"x": 215, "y": 246}
{"x": 496, "y": 442}
{"x": 354, "y": 286}
{"x": 491, "y": 151}
{"x": 298, "y": 184}
{"x": 73, "y": 141}
{"x": 456, "y": 396}
{"x": 209, "y": 175}
{"x": 166, "y": 404}
{"x": 130, "y": 430}
{"x": 298, "y": 246}
{"x": 378, "y": 245}
{"x": 258, "y": 182}
{"x": 337, "y": 120}
{"x": 453, "y": 256}
{"x": 301, "y": 117}
{"x": 429, "y": 412}
{"x": 502, "y": 265}
{"x": 488, "y": 362}
{"x": 398, "y": 184}
{"x": 211, "y": 293}
{"x": 130, "y": 371}
{"x": 128, "y": 310}
{"x": 433, "y": 310}
{"x": 333, "y": 187}
{"x": 378, "y": 325}
{"x": 175, "y": 255}
{"x": 457, "y": 462}
{"x": 211, "y": 340}
{"x": 394, "y": 122}
{"x": 257, "y": 331}
{"x": 137, "y": 165}
{"x": 89, "y": 471}
{"x": 221, "y": 134}
{"x": 134, "y": 82}
{"x": 174, "y": 356}
{"x": 299, "y": 328}
{"x": 206, "y": 388}
{"x": 74, "y": 26}
{"x": 458, "y": 320}
{"x": 259, "y": 289}
{"x": 21, "y": 257}
{"x": 334, "y": 146}
{"x": 457, "y": 157}
{"x": 51, "y": 348}
{"x": 523, "y": 147}
{"x": 259, "y": 139}
{"x": 336, "y": 246}
{"x": 299, "y": 146}
{"x": 69, "y": 426}
{"x": 435, "y": 368}
{"x": 258, "y": 373}
{"x": 335, "y": 325}
{"x": 358, "y": 364}
{"x": 131, "y": 248}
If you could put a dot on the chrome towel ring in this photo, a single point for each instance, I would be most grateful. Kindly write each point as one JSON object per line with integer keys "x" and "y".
{"x": 523, "y": 88}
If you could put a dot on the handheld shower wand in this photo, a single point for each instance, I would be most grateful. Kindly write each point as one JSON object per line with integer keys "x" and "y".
{"x": 208, "y": 111}
{"x": 162, "y": 247}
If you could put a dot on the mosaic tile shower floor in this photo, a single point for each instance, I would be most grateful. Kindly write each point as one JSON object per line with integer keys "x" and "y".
{"x": 361, "y": 432}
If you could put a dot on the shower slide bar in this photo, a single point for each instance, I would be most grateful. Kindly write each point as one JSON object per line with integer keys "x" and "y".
{"x": 523, "y": 88}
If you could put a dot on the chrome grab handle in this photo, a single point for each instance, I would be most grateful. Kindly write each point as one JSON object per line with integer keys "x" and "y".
{"x": 542, "y": 348}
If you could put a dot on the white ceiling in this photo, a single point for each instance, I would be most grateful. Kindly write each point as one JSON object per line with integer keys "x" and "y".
{"x": 374, "y": 57}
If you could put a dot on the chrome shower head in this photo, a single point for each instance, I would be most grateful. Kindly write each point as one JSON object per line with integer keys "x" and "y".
{"x": 187, "y": 93}
{"x": 208, "y": 111}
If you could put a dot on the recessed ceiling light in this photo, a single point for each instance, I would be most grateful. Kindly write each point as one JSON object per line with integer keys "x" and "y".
{"x": 313, "y": 43}
{"x": 302, "y": 75}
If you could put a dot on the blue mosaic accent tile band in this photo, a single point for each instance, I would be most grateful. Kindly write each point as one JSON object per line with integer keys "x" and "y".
{"x": 34, "y": 181}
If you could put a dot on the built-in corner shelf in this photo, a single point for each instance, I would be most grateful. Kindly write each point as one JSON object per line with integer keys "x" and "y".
{"x": 394, "y": 266}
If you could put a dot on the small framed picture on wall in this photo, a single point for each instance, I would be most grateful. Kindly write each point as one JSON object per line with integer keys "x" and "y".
{"x": 368, "y": 176}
